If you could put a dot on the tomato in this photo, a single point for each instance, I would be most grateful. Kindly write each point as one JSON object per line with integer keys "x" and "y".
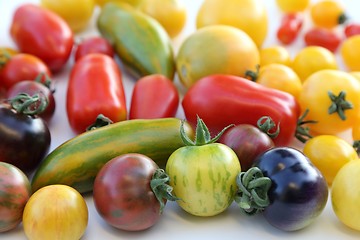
{"x": 25, "y": 139}
{"x": 93, "y": 45}
{"x": 292, "y": 6}
{"x": 312, "y": 59}
{"x": 154, "y": 96}
{"x": 171, "y": 14}
{"x": 351, "y": 29}
{"x": 15, "y": 191}
{"x": 130, "y": 192}
{"x": 274, "y": 54}
{"x": 203, "y": 173}
{"x": 22, "y": 67}
{"x": 76, "y": 13}
{"x": 329, "y": 153}
{"x": 134, "y": 3}
{"x": 215, "y": 49}
{"x": 221, "y": 100}
{"x": 323, "y": 37}
{"x": 349, "y": 51}
{"x": 51, "y": 40}
{"x": 87, "y": 97}
{"x": 247, "y": 15}
{"x": 333, "y": 100}
{"x": 289, "y": 28}
{"x": 6, "y": 53}
{"x": 345, "y": 196}
{"x": 52, "y": 208}
{"x": 327, "y": 13}
{"x": 283, "y": 184}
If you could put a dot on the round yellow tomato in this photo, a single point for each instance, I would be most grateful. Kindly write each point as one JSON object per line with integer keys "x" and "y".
{"x": 76, "y": 13}
{"x": 312, "y": 59}
{"x": 350, "y": 52}
{"x": 329, "y": 153}
{"x": 55, "y": 212}
{"x": 345, "y": 195}
{"x": 247, "y": 15}
{"x": 333, "y": 100}
{"x": 280, "y": 77}
{"x": 274, "y": 54}
{"x": 217, "y": 49}
{"x": 292, "y": 6}
{"x": 171, "y": 14}
{"x": 356, "y": 74}
{"x": 327, "y": 13}
{"x": 134, "y": 3}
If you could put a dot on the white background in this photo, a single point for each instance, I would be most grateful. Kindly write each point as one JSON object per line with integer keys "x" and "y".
{"x": 175, "y": 223}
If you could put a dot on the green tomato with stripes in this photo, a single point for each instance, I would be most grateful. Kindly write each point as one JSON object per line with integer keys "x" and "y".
{"x": 203, "y": 173}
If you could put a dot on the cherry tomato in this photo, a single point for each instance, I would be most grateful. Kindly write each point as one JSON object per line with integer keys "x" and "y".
{"x": 292, "y": 6}
{"x": 327, "y": 13}
{"x": 274, "y": 54}
{"x": 22, "y": 67}
{"x": 352, "y": 29}
{"x": 289, "y": 28}
{"x": 322, "y": 37}
{"x": 51, "y": 40}
{"x": 94, "y": 45}
{"x": 154, "y": 96}
{"x": 350, "y": 52}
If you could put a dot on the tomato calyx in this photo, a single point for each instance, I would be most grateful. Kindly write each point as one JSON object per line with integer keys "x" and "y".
{"x": 202, "y": 134}
{"x": 161, "y": 189}
{"x": 339, "y": 104}
{"x": 252, "y": 194}
{"x": 356, "y": 146}
{"x": 30, "y": 105}
{"x": 253, "y": 75}
{"x": 47, "y": 82}
{"x": 265, "y": 124}
{"x": 302, "y": 133}
{"x": 100, "y": 121}
{"x": 342, "y": 18}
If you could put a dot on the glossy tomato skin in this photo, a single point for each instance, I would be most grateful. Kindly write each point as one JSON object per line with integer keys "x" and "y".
{"x": 352, "y": 29}
{"x": 94, "y": 45}
{"x": 95, "y": 87}
{"x": 122, "y": 192}
{"x": 289, "y": 28}
{"x": 322, "y": 37}
{"x": 154, "y": 96}
{"x": 298, "y": 193}
{"x": 15, "y": 191}
{"x": 51, "y": 40}
{"x": 25, "y": 140}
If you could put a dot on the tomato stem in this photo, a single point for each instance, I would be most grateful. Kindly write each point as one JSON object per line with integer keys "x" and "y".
{"x": 29, "y": 105}
{"x": 302, "y": 133}
{"x": 100, "y": 121}
{"x": 47, "y": 82}
{"x": 265, "y": 124}
{"x": 339, "y": 104}
{"x": 253, "y": 75}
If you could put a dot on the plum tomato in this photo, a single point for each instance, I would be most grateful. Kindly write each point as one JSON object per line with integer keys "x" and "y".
{"x": 95, "y": 44}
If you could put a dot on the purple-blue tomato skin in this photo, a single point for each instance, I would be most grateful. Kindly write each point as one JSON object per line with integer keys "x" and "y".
{"x": 298, "y": 193}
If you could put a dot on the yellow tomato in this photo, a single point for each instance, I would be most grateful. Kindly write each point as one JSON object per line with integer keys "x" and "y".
{"x": 134, "y": 3}
{"x": 171, "y": 14}
{"x": 216, "y": 49}
{"x": 356, "y": 74}
{"x": 291, "y": 6}
{"x": 247, "y": 15}
{"x": 312, "y": 59}
{"x": 350, "y": 52}
{"x": 345, "y": 195}
{"x": 329, "y": 153}
{"x": 322, "y": 95}
{"x": 274, "y": 54}
{"x": 327, "y": 13}
{"x": 55, "y": 212}
{"x": 76, "y": 13}
{"x": 280, "y": 77}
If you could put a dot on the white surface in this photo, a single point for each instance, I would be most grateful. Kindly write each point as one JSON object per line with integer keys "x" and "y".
{"x": 175, "y": 223}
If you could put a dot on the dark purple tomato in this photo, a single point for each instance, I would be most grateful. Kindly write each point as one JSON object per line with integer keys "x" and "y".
{"x": 248, "y": 142}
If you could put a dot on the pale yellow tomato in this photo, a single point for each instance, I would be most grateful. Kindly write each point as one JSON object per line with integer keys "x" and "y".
{"x": 76, "y": 13}
{"x": 327, "y": 13}
{"x": 55, "y": 212}
{"x": 356, "y": 74}
{"x": 248, "y": 15}
{"x": 312, "y": 59}
{"x": 134, "y": 3}
{"x": 350, "y": 52}
{"x": 291, "y": 6}
{"x": 274, "y": 54}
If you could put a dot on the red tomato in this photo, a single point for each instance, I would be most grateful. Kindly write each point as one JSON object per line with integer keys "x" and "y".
{"x": 94, "y": 45}
{"x": 95, "y": 87}
{"x": 41, "y": 32}
{"x": 290, "y": 27}
{"x": 154, "y": 96}
{"x": 352, "y": 29}
{"x": 21, "y": 67}
{"x": 322, "y": 37}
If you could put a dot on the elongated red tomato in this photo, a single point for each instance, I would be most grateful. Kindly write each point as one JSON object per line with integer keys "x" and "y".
{"x": 352, "y": 29}
{"x": 41, "y": 32}
{"x": 322, "y": 37}
{"x": 290, "y": 27}
{"x": 221, "y": 100}
{"x": 95, "y": 87}
{"x": 154, "y": 96}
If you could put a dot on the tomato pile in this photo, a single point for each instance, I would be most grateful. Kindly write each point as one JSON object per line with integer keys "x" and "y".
{"x": 223, "y": 119}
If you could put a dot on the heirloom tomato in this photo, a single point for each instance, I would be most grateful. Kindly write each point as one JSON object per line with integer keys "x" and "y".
{"x": 285, "y": 186}
{"x": 134, "y": 3}
{"x": 248, "y": 15}
{"x": 274, "y": 54}
{"x": 329, "y": 153}
{"x": 345, "y": 196}
{"x": 55, "y": 212}
{"x": 323, "y": 37}
{"x": 292, "y": 6}
{"x": 95, "y": 44}
{"x": 203, "y": 173}
{"x": 327, "y": 13}
{"x": 332, "y": 98}
{"x": 130, "y": 192}
{"x": 15, "y": 191}
{"x": 350, "y": 51}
